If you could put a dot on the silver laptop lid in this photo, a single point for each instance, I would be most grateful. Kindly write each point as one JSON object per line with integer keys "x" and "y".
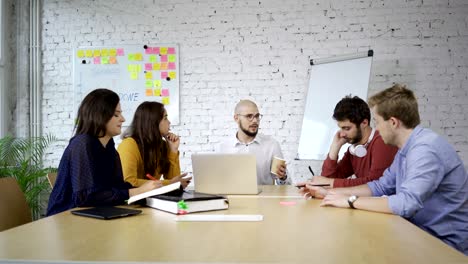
{"x": 221, "y": 173}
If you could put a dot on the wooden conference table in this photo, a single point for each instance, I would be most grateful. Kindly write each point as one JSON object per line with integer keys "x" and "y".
{"x": 293, "y": 230}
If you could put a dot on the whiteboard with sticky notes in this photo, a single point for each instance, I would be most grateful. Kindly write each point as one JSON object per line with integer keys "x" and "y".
{"x": 137, "y": 73}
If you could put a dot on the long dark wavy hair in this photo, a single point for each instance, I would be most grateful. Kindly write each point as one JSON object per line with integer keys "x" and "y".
{"x": 144, "y": 129}
{"x": 96, "y": 109}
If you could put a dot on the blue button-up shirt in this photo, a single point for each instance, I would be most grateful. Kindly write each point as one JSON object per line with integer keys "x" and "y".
{"x": 428, "y": 184}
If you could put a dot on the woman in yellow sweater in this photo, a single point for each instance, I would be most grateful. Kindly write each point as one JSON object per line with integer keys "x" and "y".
{"x": 149, "y": 148}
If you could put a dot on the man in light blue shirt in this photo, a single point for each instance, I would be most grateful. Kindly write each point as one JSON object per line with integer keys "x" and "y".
{"x": 426, "y": 183}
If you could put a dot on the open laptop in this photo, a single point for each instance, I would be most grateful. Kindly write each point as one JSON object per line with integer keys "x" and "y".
{"x": 218, "y": 173}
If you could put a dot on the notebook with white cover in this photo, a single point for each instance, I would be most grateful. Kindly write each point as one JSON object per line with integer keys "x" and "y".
{"x": 161, "y": 190}
{"x": 222, "y": 173}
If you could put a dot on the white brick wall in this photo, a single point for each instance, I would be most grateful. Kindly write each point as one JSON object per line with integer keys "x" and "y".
{"x": 260, "y": 50}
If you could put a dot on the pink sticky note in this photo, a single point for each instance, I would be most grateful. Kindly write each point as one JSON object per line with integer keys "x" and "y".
{"x": 288, "y": 203}
{"x": 171, "y": 51}
{"x": 120, "y": 52}
{"x": 148, "y": 66}
{"x": 97, "y": 60}
{"x": 156, "y": 50}
{"x": 148, "y": 50}
{"x": 163, "y": 58}
{"x": 165, "y": 92}
{"x": 171, "y": 66}
{"x": 163, "y": 75}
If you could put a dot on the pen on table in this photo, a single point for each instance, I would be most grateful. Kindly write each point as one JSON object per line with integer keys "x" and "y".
{"x": 150, "y": 177}
{"x": 316, "y": 185}
{"x": 311, "y": 171}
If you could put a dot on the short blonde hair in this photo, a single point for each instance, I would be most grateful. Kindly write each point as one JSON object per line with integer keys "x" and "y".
{"x": 399, "y": 102}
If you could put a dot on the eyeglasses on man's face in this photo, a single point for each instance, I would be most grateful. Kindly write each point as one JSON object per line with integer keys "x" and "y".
{"x": 251, "y": 117}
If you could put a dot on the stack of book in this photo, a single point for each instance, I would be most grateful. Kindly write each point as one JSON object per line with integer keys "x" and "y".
{"x": 171, "y": 198}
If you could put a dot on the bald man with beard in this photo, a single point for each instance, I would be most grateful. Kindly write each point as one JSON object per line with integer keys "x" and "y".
{"x": 247, "y": 140}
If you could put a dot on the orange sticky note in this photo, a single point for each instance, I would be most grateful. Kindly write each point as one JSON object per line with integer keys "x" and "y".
{"x": 164, "y": 66}
{"x": 149, "y": 92}
{"x": 113, "y": 60}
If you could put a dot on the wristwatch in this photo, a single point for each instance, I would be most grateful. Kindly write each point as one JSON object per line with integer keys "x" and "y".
{"x": 351, "y": 200}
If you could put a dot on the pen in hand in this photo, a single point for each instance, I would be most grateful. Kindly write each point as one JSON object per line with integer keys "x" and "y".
{"x": 150, "y": 177}
{"x": 316, "y": 185}
{"x": 311, "y": 171}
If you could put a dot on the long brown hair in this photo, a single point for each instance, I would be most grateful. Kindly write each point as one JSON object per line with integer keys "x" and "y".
{"x": 144, "y": 129}
{"x": 96, "y": 109}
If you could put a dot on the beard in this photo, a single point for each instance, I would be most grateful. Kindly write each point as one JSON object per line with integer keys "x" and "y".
{"x": 357, "y": 138}
{"x": 247, "y": 132}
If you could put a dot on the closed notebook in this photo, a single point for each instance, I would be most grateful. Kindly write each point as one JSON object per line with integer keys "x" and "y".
{"x": 181, "y": 202}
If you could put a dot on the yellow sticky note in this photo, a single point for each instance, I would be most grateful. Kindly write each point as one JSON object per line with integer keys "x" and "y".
{"x": 89, "y": 53}
{"x": 113, "y": 52}
{"x": 131, "y": 68}
{"x": 163, "y": 50}
{"x": 105, "y": 52}
{"x": 80, "y": 53}
{"x": 138, "y": 67}
{"x": 157, "y": 92}
{"x": 149, "y": 75}
{"x": 134, "y": 75}
{"x": 165, "y": 100}
{"x": 97, "y": 53}
{"x": 156, "y": 66}
{"x": 149, "y": 92}
{"x": 157, "y": 83}
{"x": 138, "y": 57}
{"x": 172, "y": 75}
{"x": 171, "y": 58}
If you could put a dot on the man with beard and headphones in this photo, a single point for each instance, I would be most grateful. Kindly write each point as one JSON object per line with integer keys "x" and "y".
{"x": 366, "y": 158}
{"x": 248, "y": 140}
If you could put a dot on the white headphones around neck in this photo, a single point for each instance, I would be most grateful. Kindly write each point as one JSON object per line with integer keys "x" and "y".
{"x": 360, "y": 150}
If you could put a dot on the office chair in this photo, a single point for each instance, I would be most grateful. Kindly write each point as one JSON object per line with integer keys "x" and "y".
{"x": 52, "y": 177}
{"x": 14, "y": 210}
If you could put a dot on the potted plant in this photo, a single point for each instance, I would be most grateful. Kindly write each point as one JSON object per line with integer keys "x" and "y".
{"x": 21, "y": 158}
